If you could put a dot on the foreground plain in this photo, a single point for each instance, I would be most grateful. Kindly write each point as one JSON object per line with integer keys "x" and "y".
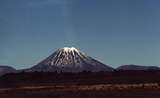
{"x": 130, "y": 84}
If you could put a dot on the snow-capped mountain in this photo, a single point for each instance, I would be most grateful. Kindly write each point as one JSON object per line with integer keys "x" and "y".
{"x": 70, "y": 60}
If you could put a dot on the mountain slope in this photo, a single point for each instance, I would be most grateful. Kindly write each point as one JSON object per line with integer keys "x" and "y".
{"x": 70, "y": 60}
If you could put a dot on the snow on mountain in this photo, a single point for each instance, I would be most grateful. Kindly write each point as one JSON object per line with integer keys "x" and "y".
{"x": 70, "y": 60}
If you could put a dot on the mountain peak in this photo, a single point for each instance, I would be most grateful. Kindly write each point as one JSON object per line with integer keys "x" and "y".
{"x": 69, "y": 49}
{"x": 66, "y": 56}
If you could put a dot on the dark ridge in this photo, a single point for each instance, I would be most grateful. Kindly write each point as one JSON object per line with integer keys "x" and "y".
{"x": 137, "y": 67}
{"x": 87, "y": 78}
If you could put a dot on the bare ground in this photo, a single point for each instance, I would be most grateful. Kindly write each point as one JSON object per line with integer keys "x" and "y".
{"x": 147, "y": 90}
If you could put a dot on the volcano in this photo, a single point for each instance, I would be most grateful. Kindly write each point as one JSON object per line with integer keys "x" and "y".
{"x": 70, "y": 60}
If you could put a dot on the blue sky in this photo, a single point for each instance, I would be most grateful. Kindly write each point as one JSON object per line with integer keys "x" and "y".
{"x": 116, "y": 32}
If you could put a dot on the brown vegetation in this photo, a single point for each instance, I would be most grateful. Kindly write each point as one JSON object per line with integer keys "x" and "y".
{"x": 84, "y": 91}
{"x": 128, "y": 84}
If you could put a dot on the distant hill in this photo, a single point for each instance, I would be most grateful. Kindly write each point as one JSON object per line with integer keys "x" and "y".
{"x": 6, "y": 69}
{"x": 137, "y": 67}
